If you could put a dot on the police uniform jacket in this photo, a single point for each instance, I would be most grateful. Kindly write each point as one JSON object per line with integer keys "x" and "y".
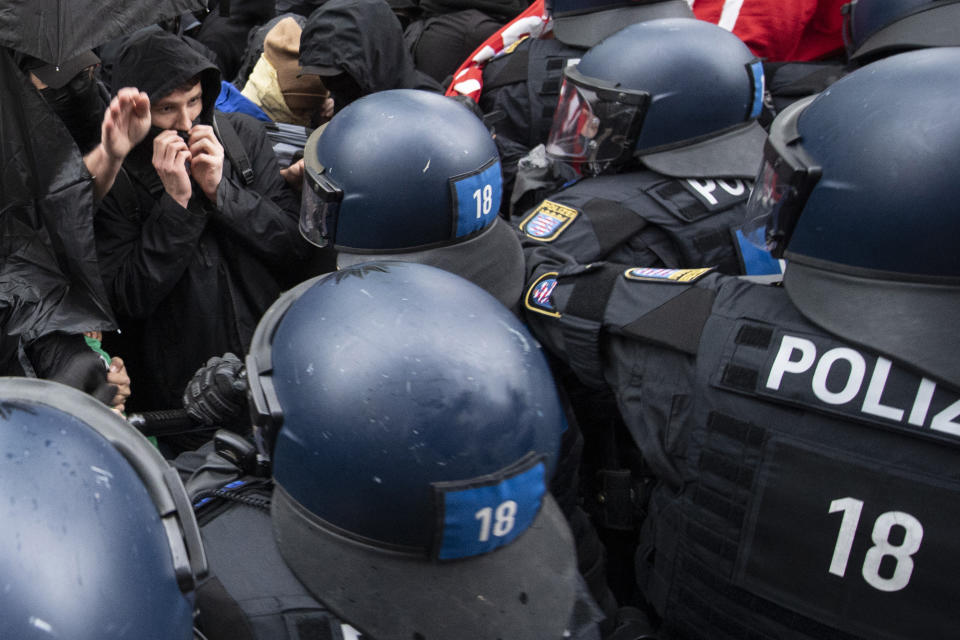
{"x": 637, "y": 218}
{"x": 806, "y": 487}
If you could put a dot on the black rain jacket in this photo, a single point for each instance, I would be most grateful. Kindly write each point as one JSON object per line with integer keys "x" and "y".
{"x": 188, "y": 284}
{"x": 363, "y": 38}
{"x": 49, "y": 281}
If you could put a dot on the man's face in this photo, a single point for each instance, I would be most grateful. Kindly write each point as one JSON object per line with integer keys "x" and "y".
{"x": 178, "y": 109}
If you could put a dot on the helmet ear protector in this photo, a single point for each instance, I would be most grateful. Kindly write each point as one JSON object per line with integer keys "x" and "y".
{"x": 266, "y": 415}
{"x": 783, "y": 185}
{"x": 160, "y": 479}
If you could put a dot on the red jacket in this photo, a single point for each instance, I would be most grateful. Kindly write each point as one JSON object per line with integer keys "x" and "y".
{"x": 780, "y": 30}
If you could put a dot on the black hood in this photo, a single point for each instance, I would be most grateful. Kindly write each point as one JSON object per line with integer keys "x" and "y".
{"x": 157, "y": 62}
{"x": 364, "y": 39}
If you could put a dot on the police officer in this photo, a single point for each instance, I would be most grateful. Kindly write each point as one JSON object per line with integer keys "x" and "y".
{"x": 520, "y": 87}
{"x": 804, "y": 437}
{"x": 412, "y": 427}
{"x": 411, "y": 175}
{"x": 98, "y": 539}
{"x": 660, "y": 119}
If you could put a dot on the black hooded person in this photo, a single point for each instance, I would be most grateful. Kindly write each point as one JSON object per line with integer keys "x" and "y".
{"x": 62, "y": 147}
{"x": 357, "y": 48}
{"x": 193, "y": 245}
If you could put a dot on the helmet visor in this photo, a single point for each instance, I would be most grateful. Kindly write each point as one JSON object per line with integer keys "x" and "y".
{"x": 319, "y": 207}
{"x": 782, "y": 187}
{"x": 595, "y": 122}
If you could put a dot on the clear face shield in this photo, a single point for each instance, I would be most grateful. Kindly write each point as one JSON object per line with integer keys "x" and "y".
{"x": 595, "y": 124}
{"x": 319, "y": 207}
{"x": 786, "y": 179}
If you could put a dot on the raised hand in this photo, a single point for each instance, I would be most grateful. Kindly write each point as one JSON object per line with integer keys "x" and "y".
{"x": 125, "y": 122}
{"x": 170, "y": 158}
{"x": 206, "y": 164}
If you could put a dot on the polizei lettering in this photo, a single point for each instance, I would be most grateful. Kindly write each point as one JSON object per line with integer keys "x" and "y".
{"x": 841, "y": 379}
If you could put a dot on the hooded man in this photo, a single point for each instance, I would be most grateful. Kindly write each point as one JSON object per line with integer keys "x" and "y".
{"x": 191, "y": 243}
{"x": 357, "y": 48}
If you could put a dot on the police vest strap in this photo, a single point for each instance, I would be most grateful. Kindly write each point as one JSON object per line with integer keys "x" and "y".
{"x": 582, "y": 321}
{"x": 233, "y": 149}
{"x": 551, "y": 84}
{"x": 612, "y": 223}
{"x": 549, "y": 92}
{"x": 231, "y": 620}
{"x": 677, "y": 323}
{"x": 512, "y": 70}
{"x": 666, "y": 193}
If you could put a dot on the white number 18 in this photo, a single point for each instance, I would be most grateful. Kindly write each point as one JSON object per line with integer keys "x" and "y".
{"x": 484, "y": 200}
{"x": 503, "y": 520}
{"x": 901, "y": 553}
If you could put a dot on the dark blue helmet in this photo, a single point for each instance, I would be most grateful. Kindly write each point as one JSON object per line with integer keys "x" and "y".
{"x": 858, "y": 190}
{"x": 681, "y": 94}
{"x": 97, "y": 536}
{"x": 400, "y": 170}
{"x": 416, "y": 426}
{"x": 412, "y": 176}
{"x": 877, "y": 28}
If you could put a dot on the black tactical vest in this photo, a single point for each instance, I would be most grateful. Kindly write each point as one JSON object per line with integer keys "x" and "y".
{"x": 643, "y": 218}
{"x": 250, "y": 593}
{"x": 524, "y": 86}
{"x": 808, "y": 488}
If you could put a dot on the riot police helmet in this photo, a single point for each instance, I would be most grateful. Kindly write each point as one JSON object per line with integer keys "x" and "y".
{"x": 415, "y": 176}
{"x": 413, "y": 427}
{"x": 877, "y": 28}
{"x": 584, "y": 23}
{"x": 681, "y": 95}
{"x": 858, "y": 192}
{"x": 98, "y": 539}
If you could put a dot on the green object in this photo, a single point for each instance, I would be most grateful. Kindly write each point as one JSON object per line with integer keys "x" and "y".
{"x": 95, "y": 344}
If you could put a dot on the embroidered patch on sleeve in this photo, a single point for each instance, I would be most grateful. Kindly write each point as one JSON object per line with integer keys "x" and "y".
{"x": 548, "y": 221}
{"x": 682, "y": 276}
{"x": 539, "y": 296}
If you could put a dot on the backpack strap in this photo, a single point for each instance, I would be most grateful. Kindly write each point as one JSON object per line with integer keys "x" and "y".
{"x": 233, "y": 148}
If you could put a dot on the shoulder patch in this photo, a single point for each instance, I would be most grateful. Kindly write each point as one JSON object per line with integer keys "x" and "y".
{"x": 681, "y": 276}
{"x": 548, "y": 221}
{"x": 539, "y": 296}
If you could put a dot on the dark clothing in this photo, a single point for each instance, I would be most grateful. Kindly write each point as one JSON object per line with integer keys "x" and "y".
{"x": 227, "y": 35}
{"x": 806, "y": 488}
{"x": 251, "y": 594}
{"x": 364, "y": 39}
{"x": 188, "y": 284}
{"x": 520, "y": 92}
{"x": 48, "y": 274}
{"x": 440, "y": 43}
{"x": 636, "y": 218}
{"x": 524, "y": 86}
{"x": 500, "y": 10}
{"x": 788, "y": 82}
{"x": 641, "y": 218}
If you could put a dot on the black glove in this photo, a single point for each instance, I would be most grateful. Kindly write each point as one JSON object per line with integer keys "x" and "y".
{"x": 67, "y": 359}
{"x": 217, "y": 392}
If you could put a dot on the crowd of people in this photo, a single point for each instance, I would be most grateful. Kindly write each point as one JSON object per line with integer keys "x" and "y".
{"x": 484, "y": 319}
